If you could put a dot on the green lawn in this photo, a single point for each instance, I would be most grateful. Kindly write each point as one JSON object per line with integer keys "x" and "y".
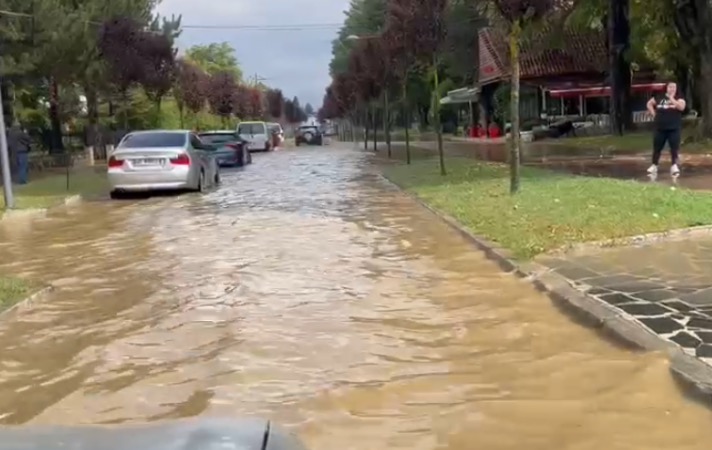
{"x": 44, "y": 191}
{"x": 552, "y": 210}
{"x": 13, "y": 290}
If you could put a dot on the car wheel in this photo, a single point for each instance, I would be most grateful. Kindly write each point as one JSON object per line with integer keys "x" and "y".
{"x": 240, "y": 158}
{"x": 201, "y": 181}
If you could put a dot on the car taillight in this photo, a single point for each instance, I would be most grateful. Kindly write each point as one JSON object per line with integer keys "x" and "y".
{"x": 233, "y": 146}
{"x": 113, "y": 162}
{"x": 181, "y": 160}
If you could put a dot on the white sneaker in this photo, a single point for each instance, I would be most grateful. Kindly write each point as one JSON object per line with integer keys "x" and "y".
{"x": 653, "y": 169}
{"x": 674, "y": 170}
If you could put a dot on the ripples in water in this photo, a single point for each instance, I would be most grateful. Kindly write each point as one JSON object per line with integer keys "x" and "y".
{"x": 306, "y": 290}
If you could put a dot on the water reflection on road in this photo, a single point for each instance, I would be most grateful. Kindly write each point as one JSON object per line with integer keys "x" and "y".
{"x": 306, "y": 290}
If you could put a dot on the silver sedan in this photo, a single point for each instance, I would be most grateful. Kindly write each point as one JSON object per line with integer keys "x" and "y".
{"x": 156, "y": 160}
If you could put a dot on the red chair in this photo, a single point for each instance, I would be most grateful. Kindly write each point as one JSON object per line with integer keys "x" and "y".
{"x": 494, "y": 131}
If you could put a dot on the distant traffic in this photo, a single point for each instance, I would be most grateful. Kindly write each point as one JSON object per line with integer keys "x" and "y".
{"x": 184, "y": 160}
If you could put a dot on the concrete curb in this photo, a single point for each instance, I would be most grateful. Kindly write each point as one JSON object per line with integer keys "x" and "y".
{"x": 694, "y": 373}
{"x": 28, "y": 301}
{"x": 36, "y": 213}
{"x": 636, "y": 241}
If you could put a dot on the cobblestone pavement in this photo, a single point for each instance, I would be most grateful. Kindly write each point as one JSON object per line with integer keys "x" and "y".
{"x": 667, "y": 287}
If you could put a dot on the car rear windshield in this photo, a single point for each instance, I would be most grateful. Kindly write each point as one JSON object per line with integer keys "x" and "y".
{"x": 275, "y": 127}
{"x": 251, "y": 128}
{"x": 215, "y": 138}
{"x": 141, "y": 140}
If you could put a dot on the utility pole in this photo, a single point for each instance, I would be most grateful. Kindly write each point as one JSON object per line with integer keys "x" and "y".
{"x": 256, "y": 79}
{"x": 5, "y": 160}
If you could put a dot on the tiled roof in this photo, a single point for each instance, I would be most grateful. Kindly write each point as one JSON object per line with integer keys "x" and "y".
{"x": 571, "y": 53}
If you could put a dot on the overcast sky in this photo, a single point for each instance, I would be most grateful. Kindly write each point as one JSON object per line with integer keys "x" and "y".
{"x": 294, "y": 61}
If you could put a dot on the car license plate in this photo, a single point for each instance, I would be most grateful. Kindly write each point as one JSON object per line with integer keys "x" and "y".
{"x": 148, "y": 162}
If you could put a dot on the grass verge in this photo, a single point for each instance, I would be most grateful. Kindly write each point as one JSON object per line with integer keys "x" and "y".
{"x": 50, "y": 190}
{"x": 13, "y": 290}
{"x": 552, "y": 210}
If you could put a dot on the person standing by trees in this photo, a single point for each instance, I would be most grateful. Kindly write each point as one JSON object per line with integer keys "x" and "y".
{"x": 667, "y": 113}
{"x": 18, "y": 143}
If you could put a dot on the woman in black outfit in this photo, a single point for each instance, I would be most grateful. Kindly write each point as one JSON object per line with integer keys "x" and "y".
{"x": 667, "y": 112}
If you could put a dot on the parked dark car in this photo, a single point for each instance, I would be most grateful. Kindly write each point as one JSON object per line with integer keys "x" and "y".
{"x": 230, "y": 150}
{"x": 310, "y": 135}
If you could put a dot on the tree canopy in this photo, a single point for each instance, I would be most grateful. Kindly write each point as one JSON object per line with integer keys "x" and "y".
{"x": 214, "y": 58}
{"x": 87, "y": 67}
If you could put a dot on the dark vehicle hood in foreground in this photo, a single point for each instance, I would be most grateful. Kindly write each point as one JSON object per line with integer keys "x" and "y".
{"x": 192, "y": 434}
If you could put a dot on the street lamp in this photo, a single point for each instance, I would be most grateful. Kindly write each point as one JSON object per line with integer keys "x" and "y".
{"x": 355, "y": 37}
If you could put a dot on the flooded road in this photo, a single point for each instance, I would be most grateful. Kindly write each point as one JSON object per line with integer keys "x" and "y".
{"x": 307, "y": 291}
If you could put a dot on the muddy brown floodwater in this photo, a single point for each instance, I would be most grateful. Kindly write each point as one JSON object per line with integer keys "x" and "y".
{"x": 308, "y": 291}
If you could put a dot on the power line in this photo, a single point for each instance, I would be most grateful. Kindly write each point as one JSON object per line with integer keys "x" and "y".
{"x": 267, "y": 27}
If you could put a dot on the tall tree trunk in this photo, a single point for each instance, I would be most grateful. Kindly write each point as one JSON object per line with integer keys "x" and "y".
{"x": 705, "y": 87}
{"x": 366, "y": 121}
{"x": 375, "y": 128}
{"x": 436, "y": 115}
{"x": 127, "y": 105}
{"x": 693, "y": 20}
{"x": 514, "y": 149}
{"x": 181, "y": 114}
{"x": 695, "y": 88}
{"x": 621, "y": 119}
{"x": 159, "y": 100}
{"x": 386, "y": 119}
{"x": 56, "y": 143}
{"x": 406, "y": 119}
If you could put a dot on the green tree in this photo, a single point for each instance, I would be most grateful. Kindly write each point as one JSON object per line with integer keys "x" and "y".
{"x": 463, "y": 21}
{"x": 215, "y": 58}
{"x": 520, "y": 16}
{"x": 65, "y": 53}
{"x": 363, "y": 18}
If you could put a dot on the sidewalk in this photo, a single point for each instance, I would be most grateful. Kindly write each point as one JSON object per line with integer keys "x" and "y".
{"x": 667, "y": 287}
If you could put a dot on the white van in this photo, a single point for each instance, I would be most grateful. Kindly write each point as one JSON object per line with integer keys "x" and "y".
{"x": 257, "y": 136}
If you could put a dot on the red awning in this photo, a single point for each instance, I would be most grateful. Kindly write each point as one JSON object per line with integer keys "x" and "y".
{"x": 602, "y": 91}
